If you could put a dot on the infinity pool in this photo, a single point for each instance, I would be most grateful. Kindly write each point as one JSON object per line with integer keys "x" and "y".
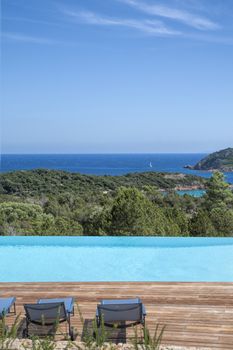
{"x": 41, "y": 259}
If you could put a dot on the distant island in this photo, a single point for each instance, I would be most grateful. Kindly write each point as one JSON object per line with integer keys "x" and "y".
{"x": 221, "y": 161}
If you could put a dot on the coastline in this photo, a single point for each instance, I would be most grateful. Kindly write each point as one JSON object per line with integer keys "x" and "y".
{"x": 211, "y": 170}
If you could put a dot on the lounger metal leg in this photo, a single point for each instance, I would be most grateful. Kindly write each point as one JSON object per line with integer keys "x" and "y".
{"x": 26, "y": 330}
{"x": 12, "y": 312}
{"x": 68, "y": 319}
{"x": 71, "y": 333}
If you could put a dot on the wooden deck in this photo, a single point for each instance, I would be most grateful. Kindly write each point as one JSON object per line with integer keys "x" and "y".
{"x": 195, "y": 314}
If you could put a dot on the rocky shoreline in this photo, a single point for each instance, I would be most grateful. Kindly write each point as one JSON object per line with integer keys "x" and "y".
{"x": 190, "y": 188}
{"x": 186, "y": 188}
{"x": 211, "y": 170}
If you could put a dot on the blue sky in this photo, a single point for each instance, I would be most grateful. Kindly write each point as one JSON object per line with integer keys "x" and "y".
{"x": 94, "y": 76}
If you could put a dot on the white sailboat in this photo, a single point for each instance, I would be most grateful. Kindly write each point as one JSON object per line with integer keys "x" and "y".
{"x": 150, "y": 165}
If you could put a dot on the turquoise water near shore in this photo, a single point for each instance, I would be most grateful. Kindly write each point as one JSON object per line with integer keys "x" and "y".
{"x": 41, "y": 259}
{"x": 193, "y": 193}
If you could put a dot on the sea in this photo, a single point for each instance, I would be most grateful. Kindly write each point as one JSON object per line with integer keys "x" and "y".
{"x": 107, "y": 164}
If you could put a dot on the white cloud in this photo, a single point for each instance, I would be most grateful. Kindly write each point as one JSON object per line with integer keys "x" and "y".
{"x": 22, "y": 38}
{"x": 185, "y": 17}
{"x": 151, "y": 27}
{"x": 26, "y": 38}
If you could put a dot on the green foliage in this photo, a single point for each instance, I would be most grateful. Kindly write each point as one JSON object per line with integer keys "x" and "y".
{"x": 98, "y": 224}
{"x": 95, "y": 338}
{"x": 221, "y": 160}
{"x": 150, "y": 342}
{"x": 44, "y": 202}
{"x": 178, "y": 222}
{"x": 222, "y": 220}
{"x": 34, "y": 183}
{"x": 8, "y": 334}
{"x": 153, "y": 342}
{"x": 218, "y": 193}
{"x": 100, "y": 333}
{"x": 201, "y": 224}
{"x": 153, "y": 194}
{"x": 64, "y": 226}
{"x": 133, "y": 214}
{"x": 23, "y": 218}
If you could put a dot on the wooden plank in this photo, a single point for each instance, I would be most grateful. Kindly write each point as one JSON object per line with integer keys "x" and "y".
{"x": 195, "y": 314}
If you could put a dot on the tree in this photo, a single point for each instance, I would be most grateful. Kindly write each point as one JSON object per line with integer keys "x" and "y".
{"x": 66, "y": 227}
{"x": 98, "y": 224}
{"x": 153, "y": 194}
{"x": 24, "y": 218}
{"x": 222, "y": 220}
{"x": 133, "y": 214}
{"x": 218, "y": 193}
{"x": 201, "y": 225}
{"x": 178, "y": 222}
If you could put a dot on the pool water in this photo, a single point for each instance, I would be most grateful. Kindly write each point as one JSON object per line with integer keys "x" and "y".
{"x": 42, "y": 259}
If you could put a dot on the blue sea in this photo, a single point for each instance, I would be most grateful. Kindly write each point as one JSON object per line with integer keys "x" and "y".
{"x": 106, "y": 164}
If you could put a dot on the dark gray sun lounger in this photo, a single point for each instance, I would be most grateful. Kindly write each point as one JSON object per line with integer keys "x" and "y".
{"x": 118, "y": 311}
{"x": 6, "y": 306}
{"x": 49, "y": 313}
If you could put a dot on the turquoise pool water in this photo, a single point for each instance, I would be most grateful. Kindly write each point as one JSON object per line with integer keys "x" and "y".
{"x": 26, "y": 259}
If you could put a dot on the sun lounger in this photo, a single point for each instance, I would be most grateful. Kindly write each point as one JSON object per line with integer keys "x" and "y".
{"x": 6, "y": 306}
{"x": 118, "y": 312}
{"x": 49, "y": 313}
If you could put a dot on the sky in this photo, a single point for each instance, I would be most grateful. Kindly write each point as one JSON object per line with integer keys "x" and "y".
{"x": 116, "y": 76}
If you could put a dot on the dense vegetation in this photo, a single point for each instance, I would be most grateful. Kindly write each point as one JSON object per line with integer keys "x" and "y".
{"x": 43, "y": 202}
{"x": 222, "y": 160}
{"x": 51, "y": 182}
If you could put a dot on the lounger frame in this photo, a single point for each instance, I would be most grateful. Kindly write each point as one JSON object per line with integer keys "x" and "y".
{"x": 9, "y": 312}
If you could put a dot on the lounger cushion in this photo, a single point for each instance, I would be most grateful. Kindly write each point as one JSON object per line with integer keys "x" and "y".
{"x": 69, "y": 302}
{"x": 120, "y": 301}
{"x": 5, "y": 304}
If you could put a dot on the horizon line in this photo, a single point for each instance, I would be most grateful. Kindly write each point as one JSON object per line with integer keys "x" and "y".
{"x": 101, "y": 153}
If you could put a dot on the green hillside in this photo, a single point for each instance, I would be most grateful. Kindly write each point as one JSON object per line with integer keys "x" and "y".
{"x": 41, "y": 181}
{"x": 221, "y": 160}
{"x": 46, "y": 202}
